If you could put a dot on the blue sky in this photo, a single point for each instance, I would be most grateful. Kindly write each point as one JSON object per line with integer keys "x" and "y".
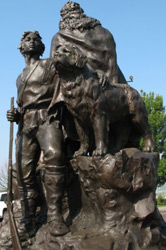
{"x": 138, "y": 27}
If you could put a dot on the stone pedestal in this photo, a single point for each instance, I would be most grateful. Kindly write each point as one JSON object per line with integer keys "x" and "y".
{"x": 118, "y": 205}
{"x": 111, "y": 205}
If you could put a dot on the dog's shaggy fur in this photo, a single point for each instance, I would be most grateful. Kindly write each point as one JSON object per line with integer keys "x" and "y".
{"x": 109, "y": 114}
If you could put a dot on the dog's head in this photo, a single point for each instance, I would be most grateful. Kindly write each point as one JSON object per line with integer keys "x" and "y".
{"x": 69, "y": 57}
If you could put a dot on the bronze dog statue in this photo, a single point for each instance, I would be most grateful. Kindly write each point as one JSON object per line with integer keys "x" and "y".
{"x": 100, "y": 108}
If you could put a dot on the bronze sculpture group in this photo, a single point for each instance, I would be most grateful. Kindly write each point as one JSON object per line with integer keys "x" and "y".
{"x": 82, "y": 81}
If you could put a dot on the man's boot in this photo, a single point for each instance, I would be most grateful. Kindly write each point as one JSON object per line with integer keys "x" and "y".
{"x": 26, "y": 228}
{"x": 54, "y": 185}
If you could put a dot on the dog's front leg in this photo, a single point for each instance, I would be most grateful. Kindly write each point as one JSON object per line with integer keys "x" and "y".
{"x": 84, "y": 140}
{"x": 101, "y": 135}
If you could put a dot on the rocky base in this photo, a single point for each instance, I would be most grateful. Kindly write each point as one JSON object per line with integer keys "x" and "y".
{"x": 118, "y": 206}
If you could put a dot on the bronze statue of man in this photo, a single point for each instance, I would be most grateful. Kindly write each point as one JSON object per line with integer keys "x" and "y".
{"x": 39, "y": 136}
{"x": 94, "y": 41}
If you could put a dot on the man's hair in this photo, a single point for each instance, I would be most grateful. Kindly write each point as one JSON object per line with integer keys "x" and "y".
{"x": 73, "y": 17}
{"x": 25, "y": 34}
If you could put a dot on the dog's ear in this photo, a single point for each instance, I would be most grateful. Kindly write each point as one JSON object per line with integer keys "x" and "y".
{"x": 81, "y": 61}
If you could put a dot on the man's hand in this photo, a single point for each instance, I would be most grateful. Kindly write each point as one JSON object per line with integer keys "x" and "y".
{"x": 103, "y": 79}
{"x": 12, "y": 115}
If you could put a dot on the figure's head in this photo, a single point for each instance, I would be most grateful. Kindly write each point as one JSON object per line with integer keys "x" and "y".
{"x": 31, "y": 43}
{"x": 71, "y": 8}
{"x": 69, "y": 57}
{"x": 73, "y": 17}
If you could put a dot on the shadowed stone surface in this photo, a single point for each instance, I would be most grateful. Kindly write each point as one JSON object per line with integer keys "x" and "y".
{"x": 118, "y": 208}
{"x": 118, "y": 205}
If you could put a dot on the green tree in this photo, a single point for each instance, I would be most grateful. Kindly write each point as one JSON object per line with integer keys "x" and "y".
{"x": 157, "y": 121}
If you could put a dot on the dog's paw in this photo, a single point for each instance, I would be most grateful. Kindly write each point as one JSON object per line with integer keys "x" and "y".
{"x": 100, "y": 151}
{"x": 148, "y": 145}
{"x": 80, "y": 152}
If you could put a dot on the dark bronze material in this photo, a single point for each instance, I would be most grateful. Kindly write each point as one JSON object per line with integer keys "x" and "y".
{"x": 96, "y": 42}
{"x": 82, "y": 183}
{"x": 97, "y": 108}
{"x": 39, "y": 132}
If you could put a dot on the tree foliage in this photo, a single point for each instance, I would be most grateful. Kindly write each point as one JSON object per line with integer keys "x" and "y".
{"x": 161, "y": 200}
{"x": 157, "y": 121}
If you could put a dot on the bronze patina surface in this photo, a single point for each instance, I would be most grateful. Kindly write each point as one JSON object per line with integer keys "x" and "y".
{"x": 80, "y": 181}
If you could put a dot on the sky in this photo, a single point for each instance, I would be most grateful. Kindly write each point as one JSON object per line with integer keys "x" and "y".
{"x": 138, "y": 27}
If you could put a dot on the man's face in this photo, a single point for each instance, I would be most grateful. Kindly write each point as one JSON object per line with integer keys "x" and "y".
{"x": 31, "y": 44}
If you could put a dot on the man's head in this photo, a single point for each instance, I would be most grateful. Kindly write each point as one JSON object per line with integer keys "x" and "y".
{"x": 31, "y": 43}
{"x": 73, "y": 17}
{"x": 71, "y": 8}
